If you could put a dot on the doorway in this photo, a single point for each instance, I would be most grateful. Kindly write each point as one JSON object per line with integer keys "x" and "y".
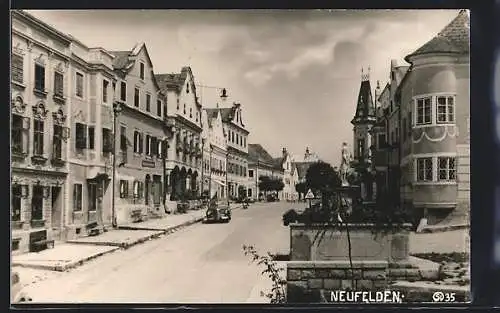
{"x": 56, "y": 208}
{"x": 92, "y": 207}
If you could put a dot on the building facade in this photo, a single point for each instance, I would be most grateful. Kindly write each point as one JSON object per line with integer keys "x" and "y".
{"x": 217, "y": 153}
{"x": 260, "y": 164}
{"x": 141, "y": 136}
{"x": 40, "y": 130}
{"x": 424, "y": 118}
{"x": 90, "y": 92}
{"x": 290, "y": 175}
{"x": 237, "y": 150}
{"x": 184, "y": 116}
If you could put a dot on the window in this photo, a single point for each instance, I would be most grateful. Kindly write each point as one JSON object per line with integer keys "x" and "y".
{"x": 91, "y": 131}
{"x": 136, "y": 97}
{"x": 142, "y": 70}
{"x": 107, "y": 140}
{"x": 184, "y": 108}
{"x": 232, "y": 137}
{"x": 123, "y": 91}
{"x": 249, "y": 192}
{"x": 137, "y": 189}
{"x": 137, "y": 138}
{"x": 445, "y": 110}
{"x": 361, "y": 148}
{"x": 159, "y": 106}
{"x": 81, "y": 136}
{"x": 178, "y": 104}
{"x": 58, "y": 84}
{"x": 447, "y": 169}
{"x": 57, "y": 142}
{"x": 92, "y": 197}
{"x": 159, "y": 148}
{"x": 197, "y": 116}
{"x": 37, "y": 203}
{"x": 424, "y": 112}
{"x": 19, "y": 135}
{"x": 39, "y": 77}
{"x": 123, "y": 189}
{"x": 77, "y": 197}
{"x": 424, "y": 169}
{"x": 123, "y": 138}
{"x": 38, "y": 137}
{"x": 191, "y": 112}
{"x": 105, "y": 85}
{"x": 16, "y": 202}
{"x": 17, "y": 70}
{"x": 244, "y": 142}
{"x": 148, "y": 102}
{"x": 148, "y": 145}
{"x": 187, "y": 88}
{"x": 237, "y": 139}
{"x": 79, "y": 85}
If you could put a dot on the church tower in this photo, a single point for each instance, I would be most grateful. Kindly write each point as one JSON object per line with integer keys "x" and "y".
{"x": 364, "y": 119}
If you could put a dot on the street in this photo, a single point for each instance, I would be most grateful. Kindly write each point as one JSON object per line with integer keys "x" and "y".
{"x": 202, "y": 263}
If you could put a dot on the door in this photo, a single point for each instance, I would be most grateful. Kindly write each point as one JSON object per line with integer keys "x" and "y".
{"x": 92, "y": 207}
{"x": 56, "y": 208}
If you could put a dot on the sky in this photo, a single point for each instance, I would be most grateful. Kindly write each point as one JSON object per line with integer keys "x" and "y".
{"x": 296, "y": 72}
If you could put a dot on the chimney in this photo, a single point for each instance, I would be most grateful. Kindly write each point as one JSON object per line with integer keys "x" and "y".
{"x": 284, "y": 152}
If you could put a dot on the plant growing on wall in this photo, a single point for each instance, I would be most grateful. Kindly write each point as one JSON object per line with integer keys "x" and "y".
{"x": 277, "y": 294}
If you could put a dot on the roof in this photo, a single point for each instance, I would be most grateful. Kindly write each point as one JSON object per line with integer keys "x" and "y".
{"x": 227, "y": 114}
{"x": 211, "y": 114}
{"x": 278, "y": 162}
{"x": 365, "y": 107}
{"x": 453, "y": 38}
{"x": 302, "y": 168}
{"x": 257, "y": 153}
{"x": 174, "y": 81}
{"x": 122, "y": 59}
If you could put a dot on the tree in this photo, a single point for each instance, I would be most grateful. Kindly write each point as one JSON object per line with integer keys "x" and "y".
{"x": 267, "y": 183}
{"x": 323, "y": 179}
{"x": 301, "y": 189}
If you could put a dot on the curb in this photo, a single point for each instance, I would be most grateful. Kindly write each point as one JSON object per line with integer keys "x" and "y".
{"x": 67, "y": 266}
{"x": 444, "y": 228}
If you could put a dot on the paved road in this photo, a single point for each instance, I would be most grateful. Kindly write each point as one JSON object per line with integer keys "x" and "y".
{"x": 202, "y": 263}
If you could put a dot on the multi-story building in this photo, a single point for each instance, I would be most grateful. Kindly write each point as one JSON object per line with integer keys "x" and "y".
{"x": 40, "y": 83}
{"x": 90, "y": 101}
{"x": 184, "y": 157}
{"x": 140, "y": 145}
{"x": 426, "y": 111}
{"x": 261, "y": 163}
{"x": 217, "y": 153}
{"x": 290, "y": 175}
{"x": 237, "y": 148}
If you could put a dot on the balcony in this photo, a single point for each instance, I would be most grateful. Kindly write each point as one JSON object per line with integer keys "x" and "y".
{"x": 39, "y": 159}
{"x": 59, "y": 98}
{"x": 57, "y": 161}
{"x": 42, "y": 93}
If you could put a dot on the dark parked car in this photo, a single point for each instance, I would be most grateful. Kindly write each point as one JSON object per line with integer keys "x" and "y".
{"x": 272, "y": 198}
{"x": 218, "y": 213}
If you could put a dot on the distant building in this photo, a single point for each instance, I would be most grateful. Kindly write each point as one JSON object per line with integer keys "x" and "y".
{"x": 215, "y": 160}
{"x": 290, "y": 175}
{"x": 261, "y": 163}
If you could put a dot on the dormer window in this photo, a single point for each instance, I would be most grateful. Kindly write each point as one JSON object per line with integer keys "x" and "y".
{"x": 187, "y": 88}
{"x": 184, "y": 108}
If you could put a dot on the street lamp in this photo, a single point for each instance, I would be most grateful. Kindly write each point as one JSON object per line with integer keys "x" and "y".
{"x": 116, "y": 111}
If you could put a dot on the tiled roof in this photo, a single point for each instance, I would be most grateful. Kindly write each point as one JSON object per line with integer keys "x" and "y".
{"x": 173, "y": 81}
{"x": 121, "y": 60}
{"x": 227, "y": 114}
{"x": 454, "y": 38}
{"x": 278, "y": 162}
{"x": 257, "y": 152}
{"x": 211, "y": 114}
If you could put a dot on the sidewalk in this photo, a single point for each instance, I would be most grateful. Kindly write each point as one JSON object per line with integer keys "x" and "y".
{"x": 118, "y": 238}
{"x": 443, "y": 228}
{"x": 61, "y": 257}
{"x": 168, "y": 223}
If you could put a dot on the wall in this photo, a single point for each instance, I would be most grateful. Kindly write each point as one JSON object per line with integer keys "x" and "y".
{"x": 306, "y": 281}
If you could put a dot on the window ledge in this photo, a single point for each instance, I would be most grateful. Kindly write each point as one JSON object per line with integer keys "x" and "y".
{"x": 18, "y": 84}
{"x": 40, "y": 93}
{"x": 39, "y": 159}
{"x": 59, "y": 162}
{"x": 59, "y": 98}
{"x": 424, "y": 183}
{"x": 19, "y": 155}
{"x": 37, "y": 223}
{"x": 17, "y": 224}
